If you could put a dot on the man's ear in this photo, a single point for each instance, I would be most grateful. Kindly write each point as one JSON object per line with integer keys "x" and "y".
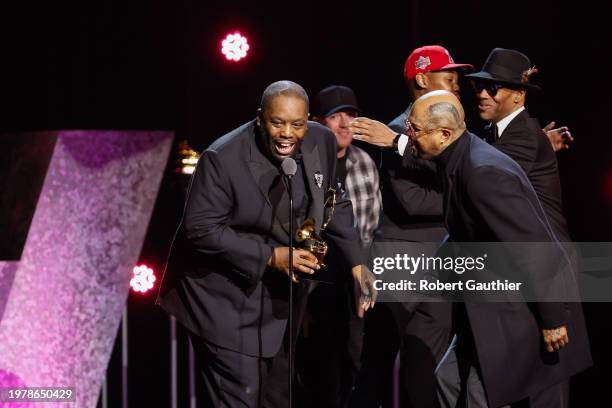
{"x": 446, "y": 136}
{"x": 519, "y": 96}
{"x": 258, "y": 117}
{"x": 421, "y": 80}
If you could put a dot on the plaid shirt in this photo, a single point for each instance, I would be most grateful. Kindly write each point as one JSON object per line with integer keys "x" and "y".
{"x": 362, "y": 188}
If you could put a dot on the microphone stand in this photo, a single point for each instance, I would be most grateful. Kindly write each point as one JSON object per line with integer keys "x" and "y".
{"x": 291, "y": 227}
{"x": 289, "y": 168}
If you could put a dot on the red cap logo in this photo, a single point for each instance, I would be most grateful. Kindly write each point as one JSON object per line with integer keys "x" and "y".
{"x": 430, "y": 58}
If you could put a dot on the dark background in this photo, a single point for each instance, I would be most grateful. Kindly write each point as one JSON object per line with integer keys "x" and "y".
{"x": 153, "y": 64}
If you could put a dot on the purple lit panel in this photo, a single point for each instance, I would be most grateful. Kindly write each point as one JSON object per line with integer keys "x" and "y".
{"x": 63, "y": 306}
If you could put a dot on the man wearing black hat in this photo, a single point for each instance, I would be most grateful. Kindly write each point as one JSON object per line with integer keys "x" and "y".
{"x": 328, "y": 358}
{"x": 510, "y": 353}
{"x": 501, "y": 87}
{"x": 420, "y": 195}
{"x": 336, "y": 107}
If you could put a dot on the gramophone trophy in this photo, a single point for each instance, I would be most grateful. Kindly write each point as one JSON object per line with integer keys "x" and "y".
{"x": 308, "y": 236}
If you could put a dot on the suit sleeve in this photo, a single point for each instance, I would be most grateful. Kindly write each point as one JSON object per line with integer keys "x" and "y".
{"x": 418, "y": 193}
{"x": 342, "y": 230}
{"x": 508, "y": 207}
{"x": 210, "y": 201}
{"x": 520, "y": 147}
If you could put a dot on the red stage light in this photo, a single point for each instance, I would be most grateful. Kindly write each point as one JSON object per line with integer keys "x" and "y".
{"x": 235, "y": 47}
{"x": 143, "y": 278}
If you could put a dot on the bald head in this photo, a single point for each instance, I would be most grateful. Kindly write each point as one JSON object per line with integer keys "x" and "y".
{"x": 437, "y": 119}
{"x": 439, "y": 108}
{"x": 285, "y": 88}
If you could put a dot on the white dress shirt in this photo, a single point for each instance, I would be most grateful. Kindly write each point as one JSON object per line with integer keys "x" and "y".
{"x": 503, "y": 124}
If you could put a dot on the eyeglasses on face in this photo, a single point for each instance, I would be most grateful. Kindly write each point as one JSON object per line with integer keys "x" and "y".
{"x": 411, "y": 132}
{"x": 490, "y": 87}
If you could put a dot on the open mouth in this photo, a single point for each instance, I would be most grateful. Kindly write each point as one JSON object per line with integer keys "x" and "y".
{"x": 283, "y": 147}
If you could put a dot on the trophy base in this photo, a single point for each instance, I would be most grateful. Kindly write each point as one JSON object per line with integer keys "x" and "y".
{"x": 323, "y": 275}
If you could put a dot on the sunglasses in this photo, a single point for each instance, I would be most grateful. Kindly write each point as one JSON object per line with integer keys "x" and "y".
{"x": 490, "y": 87}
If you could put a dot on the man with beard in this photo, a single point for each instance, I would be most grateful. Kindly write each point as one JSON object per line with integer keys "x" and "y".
{"x": 489, "y": 198}
{"x": 412, "y": 204}
{"x": 227, "y": 276}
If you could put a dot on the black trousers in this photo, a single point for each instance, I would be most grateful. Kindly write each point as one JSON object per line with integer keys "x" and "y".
{"x": 421, "y": 343}
{"x": 235, "y": 380}
{"x": 460, "y": 381}
{"x": 374, "y": 385}
{"x": 232, "y": 379}
{"x": 329, "y": 347}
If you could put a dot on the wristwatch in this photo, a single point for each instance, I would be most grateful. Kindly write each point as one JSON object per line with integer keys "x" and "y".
{"x": 395, "y": 142}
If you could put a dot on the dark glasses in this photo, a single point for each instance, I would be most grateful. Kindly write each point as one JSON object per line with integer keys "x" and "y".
{"x": 490, "y": 87}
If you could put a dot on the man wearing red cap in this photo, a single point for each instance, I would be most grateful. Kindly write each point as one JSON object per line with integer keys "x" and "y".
{"x": 488, "y": 83}
{"x": 412, "y": 206}
{"x": 412, "y": 212}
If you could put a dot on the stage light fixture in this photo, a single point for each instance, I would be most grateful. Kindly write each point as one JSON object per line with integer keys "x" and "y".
{"x": 143, "y": 279}
{"x": 235, "y": 46}
{"x": 187, "y": 159}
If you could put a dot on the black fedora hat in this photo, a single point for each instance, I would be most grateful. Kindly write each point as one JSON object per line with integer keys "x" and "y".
{"x": 507, "y": 67}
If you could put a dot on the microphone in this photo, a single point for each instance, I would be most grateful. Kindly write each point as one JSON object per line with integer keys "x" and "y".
{"x": 289, "y": 167}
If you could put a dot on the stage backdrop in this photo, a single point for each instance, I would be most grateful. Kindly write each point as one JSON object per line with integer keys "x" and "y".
{"x": 62, "y": 300}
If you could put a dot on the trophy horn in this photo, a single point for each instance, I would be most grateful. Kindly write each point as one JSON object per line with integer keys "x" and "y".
{"x": 306, "y": 231}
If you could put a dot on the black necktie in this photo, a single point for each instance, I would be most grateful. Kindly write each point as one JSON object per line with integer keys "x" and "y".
{"x": 491, "y": 133}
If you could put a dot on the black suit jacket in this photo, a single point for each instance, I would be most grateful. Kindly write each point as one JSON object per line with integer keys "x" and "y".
{"x": 488, "y": 198}
{"x": 528, "y": 145}
{"x": 411, "y": 194}
{"x": 216, "y": 281}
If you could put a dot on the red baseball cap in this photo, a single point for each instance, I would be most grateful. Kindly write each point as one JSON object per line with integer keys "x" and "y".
{"x": 430, "y": 58}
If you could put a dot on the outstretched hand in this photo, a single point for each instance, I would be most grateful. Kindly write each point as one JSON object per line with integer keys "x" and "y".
{"x": 373, "y": 132}
{"x": 559, "y": 138}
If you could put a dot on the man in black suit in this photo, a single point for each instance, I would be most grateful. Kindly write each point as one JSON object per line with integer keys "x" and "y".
{"x": 412, "y": 212}
{"x": 488, "y": 198}
{"x": 501, "y": 87}
{"x": 227, "y": 274}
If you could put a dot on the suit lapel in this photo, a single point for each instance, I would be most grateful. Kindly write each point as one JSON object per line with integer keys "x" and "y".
{"x": 312, "y": 168}
{"x": 264, "y": 173}
{"x": 515, "y": 125}
{"x": 262, "y": 170}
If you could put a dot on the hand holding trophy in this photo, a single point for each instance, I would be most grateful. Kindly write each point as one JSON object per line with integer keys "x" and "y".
{"x": 307, "y": 234}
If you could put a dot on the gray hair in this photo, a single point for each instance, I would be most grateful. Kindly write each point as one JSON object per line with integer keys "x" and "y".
{"x": 444, "y": 114}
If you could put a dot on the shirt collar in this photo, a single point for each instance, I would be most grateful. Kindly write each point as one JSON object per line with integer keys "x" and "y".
{"x": 503, "y": 124}
{"x": 448, "y": 160}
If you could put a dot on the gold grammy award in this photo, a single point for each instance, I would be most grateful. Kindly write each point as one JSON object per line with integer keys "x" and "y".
{"x": 307, "y": 234}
